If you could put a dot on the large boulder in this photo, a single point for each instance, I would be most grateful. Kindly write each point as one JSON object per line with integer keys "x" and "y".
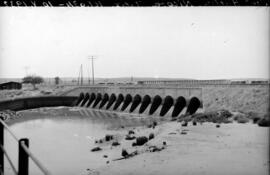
{"x": 241, "y": 118}
{"x": 265, "y": 122}
{"x": 141, "y": 140}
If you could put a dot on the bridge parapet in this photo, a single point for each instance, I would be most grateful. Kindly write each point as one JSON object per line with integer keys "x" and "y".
{"x": 174, "y": 92}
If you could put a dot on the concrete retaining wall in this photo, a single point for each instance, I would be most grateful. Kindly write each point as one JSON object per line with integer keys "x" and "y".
{"x": 36, "y": 102}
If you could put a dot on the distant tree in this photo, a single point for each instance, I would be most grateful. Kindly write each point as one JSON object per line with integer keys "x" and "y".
{"x": 32, "y": 79}
{"x": 56, "y": 80}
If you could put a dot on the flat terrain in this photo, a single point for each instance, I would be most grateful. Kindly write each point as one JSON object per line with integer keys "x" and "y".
{"x": 205, "y": 149}
{"x": 28, "y": 91}
{"x": 232, "y": 148}
{"x": 244, "y": 99}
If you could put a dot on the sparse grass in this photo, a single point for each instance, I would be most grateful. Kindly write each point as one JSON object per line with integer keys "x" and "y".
{"x": 247, "y": 99}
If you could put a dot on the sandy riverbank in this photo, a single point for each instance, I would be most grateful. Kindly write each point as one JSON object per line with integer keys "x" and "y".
{"x": 233, "y": 148}
{"x": 204, "y": 149}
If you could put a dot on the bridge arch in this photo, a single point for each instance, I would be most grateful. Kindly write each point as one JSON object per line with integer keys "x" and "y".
{"x": 179, "y": 106}
{"x": 136, "y": 101}
{"x": 98, "y": 99}
{"x": 193, "y": 105}
{"x": 127, "y": 101}
{"x": 91, "y": 99}
{"x": 81, "y": 97}
{"x": 145, "y": 103}
{"x": 156, "y": 103}
{"x": 168, "y": 102}
{"x": 104, "y": 100}
{"x": 111, "y": 101}
{"x": 118, "y": 102}
{"x": 85, "y": 99}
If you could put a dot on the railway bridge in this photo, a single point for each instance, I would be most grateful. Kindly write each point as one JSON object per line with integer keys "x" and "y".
{"x": 161, "y": 101}
{"x": 157, "y": 101}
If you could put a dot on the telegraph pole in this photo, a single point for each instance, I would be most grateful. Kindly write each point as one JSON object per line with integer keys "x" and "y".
{"x": 93, "y": 77}
{"x": 80, "y": 78}
{"x": 81, "y": 75}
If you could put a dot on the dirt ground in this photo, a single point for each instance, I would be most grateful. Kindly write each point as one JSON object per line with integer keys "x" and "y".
{"x": 233, "y": 148}
{"x": 28, "y": 91}
{"x": 204, "y": 149}
{"x": 245, "y": 99}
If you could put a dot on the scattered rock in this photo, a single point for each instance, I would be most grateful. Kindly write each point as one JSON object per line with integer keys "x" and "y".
{"x": 105, "y": 156}
{"x": 108, "y": 162}
{"x": 254, "y": 115}
{"x": 124, "y": 153}
{"x": 128, "y": 137}
{"x": 240, "y": 118}
{"x": 155, "y": 148}
{"x": 115, "y": 143}
{"x": 108, "y": 138}
{"x": 96, "y": 149}
{"x": 183, "y": 133}
{"x": 100, "y": 141}
{"x": 164, "y": 143}
{"x": 243, "y": 119}
{"x": 154, "y": 124}
{"x": 131, "y": 132}
{"x": 217, "y": 126}
{"x": 264, "y": 122}
{"x": 194, "y": 123}
{"x": 172, "y": 133}
{"x": 256, "y": 119}
{"x": 220, "y": 116}
{"x": 151, "y": 136}
{"x": 141, "y": 140}
{"x": 184, "y": 124}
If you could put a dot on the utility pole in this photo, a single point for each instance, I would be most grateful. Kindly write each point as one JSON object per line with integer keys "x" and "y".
{"x": 93, "y": 77}
{"x": 81, "y": 74}
{"x": 80, "y": 78}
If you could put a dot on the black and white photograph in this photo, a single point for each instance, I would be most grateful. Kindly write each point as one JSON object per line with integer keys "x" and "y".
{"x": 130, "y": 90}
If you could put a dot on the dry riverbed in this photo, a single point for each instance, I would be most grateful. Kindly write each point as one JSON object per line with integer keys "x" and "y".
{"x": 175, "y": 147}
{"x": 202, "y": 149}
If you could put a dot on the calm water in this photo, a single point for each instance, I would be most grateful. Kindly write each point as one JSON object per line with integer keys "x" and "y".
{"x": 62, "y": 139}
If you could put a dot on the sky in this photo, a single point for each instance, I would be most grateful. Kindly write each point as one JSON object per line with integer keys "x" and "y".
{"x": 171, "y": 42}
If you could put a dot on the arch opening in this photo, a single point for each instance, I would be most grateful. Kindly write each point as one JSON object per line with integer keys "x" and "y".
{"x": 127, "y": 101}
{"x": 136, "y": 101}
{"x": 156, "y": 103}
{"x": 111, "y": 101}
{"x": 179, "y": 106}
{"x": 168, "y": 102}
{"x": 81, "y": 97}
{"x": 86, "y": 98}
{"x": 98, "y": 99}
{"x": 119, "y": 100}
{"x": 104, "y": 100}
{"x": 91, "y": 99}
{"x": 145, "y": 103}
{"x": 194, "y": 104}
